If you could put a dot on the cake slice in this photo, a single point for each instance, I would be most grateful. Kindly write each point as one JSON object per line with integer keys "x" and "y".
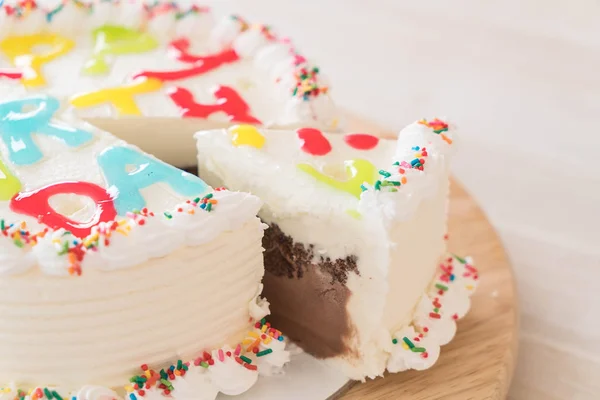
{"x": 356, "y": 238}
{"x": 111, "y": 259}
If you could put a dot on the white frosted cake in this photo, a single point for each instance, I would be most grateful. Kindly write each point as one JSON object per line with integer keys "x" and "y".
{"x": 356, "y": 264}
{"x": 112, "y": 261}
{"x": 168, "y": 68}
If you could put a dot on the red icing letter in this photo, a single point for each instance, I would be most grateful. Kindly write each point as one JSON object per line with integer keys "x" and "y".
{"x": 228, "y": 101}
{"x": 10, "y": 74}
{"x": 199, "y": 64}
{"x": 35, "y": 204}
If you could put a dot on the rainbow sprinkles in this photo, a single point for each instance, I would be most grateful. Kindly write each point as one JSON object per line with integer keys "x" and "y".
{"x": 261, "y": 352}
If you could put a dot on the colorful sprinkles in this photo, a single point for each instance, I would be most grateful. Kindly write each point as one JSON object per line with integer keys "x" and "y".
{"x": 442, "y": 284}
{"x": 22, "y": 8}
{"x": 76, "y": 249}
{"x": 438, "y": 126}
{"x": 165, "y": 379}
{"x": 245, "y": 354}
{"x": 307, "y": 83}
{"x": 391, "y": 180}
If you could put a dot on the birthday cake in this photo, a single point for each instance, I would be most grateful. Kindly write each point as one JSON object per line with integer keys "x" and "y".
{"x": 355, "y": 257}
{"x": 168, "y": 68}
{"x": 111, "y": 260}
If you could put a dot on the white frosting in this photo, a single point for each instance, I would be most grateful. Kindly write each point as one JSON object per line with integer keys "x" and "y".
{"x": 441, "y": 330}
{"x": 402, "y": 358}
{"x": 13, "y": 259}
{"x": 230, "y": 378}
{"x": 90, "y": 392}
{"x": 258, "y": 307}
{"x": 225, "y": 375}
{"x": 196, "y": 384}
{"x": 431, "y": 333}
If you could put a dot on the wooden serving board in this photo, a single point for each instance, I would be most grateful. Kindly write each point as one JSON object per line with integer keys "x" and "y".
{"x": 478, "y": 364}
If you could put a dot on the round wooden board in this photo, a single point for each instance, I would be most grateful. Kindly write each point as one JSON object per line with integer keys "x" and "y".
{"x": 478, "y": 364}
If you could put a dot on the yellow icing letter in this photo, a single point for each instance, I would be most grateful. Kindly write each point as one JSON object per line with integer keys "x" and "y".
{"x": 357, "y": 173}
{"x": 116, "y": 40}
{"x": 21, "y": 51}
{"x": 9, "y": 184}
{"x": 122, "y": 97}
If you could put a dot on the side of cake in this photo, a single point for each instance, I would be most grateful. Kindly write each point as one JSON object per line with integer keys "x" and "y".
{"x": 356, "y": 238}
{"x": 169, "y": 68}
{"x": 111, "y": 259}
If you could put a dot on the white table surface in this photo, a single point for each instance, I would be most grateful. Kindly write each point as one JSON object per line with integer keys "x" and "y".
{"x": 521, "y": 78}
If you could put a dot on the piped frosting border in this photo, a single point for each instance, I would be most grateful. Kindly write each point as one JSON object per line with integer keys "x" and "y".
{"x": 227, "y": 370}
{"x": 417, "y": 346}
{"x": 143, "y": 234}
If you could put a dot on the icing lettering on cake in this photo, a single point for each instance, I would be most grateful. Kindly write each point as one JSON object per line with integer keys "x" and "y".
{"x": 358, "y": 172}
{"x": 121, "y": 97}
{"x": 9, "y": 184}
{"x": 18, "y": 124}
{"x": 113, "y": 40}
{"x": 228, "y": 102}
{"x": 36, "y": 204}
{"x": 126, "y": 170}
{"x": 19, "y": 49}
{"x": 146, "y": 171}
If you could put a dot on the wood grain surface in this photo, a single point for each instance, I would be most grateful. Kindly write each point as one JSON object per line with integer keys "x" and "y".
{"x": 478, "y": 364}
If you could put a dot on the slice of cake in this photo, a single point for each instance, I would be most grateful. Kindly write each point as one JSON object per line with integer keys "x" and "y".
{"x": 111, "y": 260}
{"x": 169, "y": 68}
{"x": 356, "y": 239}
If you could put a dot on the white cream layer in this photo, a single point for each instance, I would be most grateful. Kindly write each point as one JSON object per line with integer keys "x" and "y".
{"x": 100, "y": 327}
{"x": 398, "y": 239}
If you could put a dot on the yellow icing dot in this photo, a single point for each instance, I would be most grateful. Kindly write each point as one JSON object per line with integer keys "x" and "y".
{"x": 246, "y": 135}
{"x": 358, "y": 172}
{"x": 20, "y": 50}
{"x": 354, "y": 214}
{"x": 9, "y": 184}
{"x": 122, "y": 97}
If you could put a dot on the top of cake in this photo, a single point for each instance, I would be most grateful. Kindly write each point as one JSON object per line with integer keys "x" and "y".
{"x": 159, "y": 59}
{"x": 358, "y": 174}
{"x": 71, "y": 195}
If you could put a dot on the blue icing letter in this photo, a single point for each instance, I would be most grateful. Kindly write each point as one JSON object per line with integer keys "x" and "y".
{"x": 127, "y": 171}
{"x": 20, "y": 119}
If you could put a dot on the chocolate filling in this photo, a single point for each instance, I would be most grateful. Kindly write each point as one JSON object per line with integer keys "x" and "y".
{"x": 308, "y": 301}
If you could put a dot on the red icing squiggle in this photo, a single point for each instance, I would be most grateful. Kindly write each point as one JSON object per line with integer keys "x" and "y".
{"x": 228, "y": 101}
{"x": 361, "y": 141}
{"x": 10, "y": 74}
{"x": 200, "y": 64}
{"x": 313, "y": 141}
{"x": 35, "y": 204}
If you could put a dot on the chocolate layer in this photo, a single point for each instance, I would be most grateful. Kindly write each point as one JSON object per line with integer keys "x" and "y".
{"x": 308, "y": 301}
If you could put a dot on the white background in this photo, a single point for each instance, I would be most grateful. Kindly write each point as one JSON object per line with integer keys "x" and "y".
{"x": 521, "y": 78}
